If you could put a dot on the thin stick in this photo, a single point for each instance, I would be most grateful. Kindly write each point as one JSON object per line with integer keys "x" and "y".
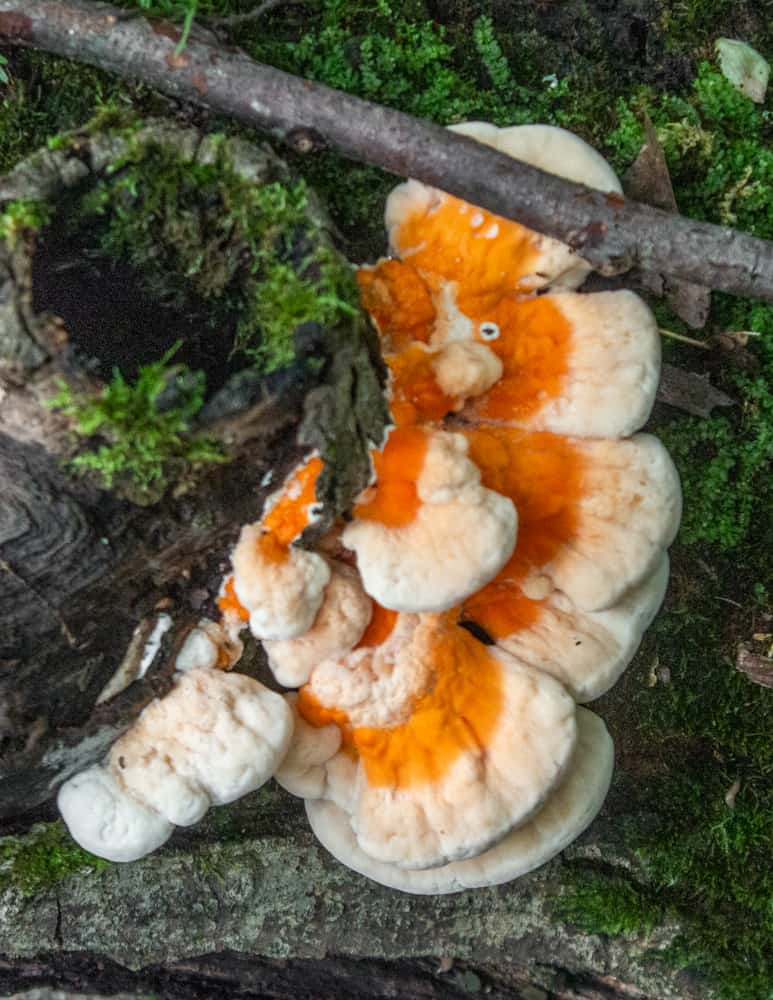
{"x": 237, "y": 20}
{"x": 611, "y": 232}
{"x": 685, "y": 340}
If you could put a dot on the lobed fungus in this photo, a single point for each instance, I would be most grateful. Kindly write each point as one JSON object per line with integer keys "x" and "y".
{"x": 500, "y": 568}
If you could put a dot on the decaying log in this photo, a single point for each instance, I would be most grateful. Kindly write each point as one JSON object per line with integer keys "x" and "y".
{"x": 611, "y": 232}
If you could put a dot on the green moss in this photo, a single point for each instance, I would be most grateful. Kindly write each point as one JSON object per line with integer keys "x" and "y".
{"x": 42, "y": 858}
{"x": 610, "y": 905}
{"x": 47, "y": 95}
{"x": 717, "y": 145}
{"x": 725, "y": 461}
{"x": 253, "y": 253}
{"x": 395, "y": 55}
{"x": 22, "y": 216}
{"x": 144, "y": 439}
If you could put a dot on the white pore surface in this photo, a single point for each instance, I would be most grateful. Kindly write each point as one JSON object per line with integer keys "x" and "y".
{"x": 487, "y": 790}
{"x": 302, "y": 772}
{"x": 588, "y": 650}
{"x": 613, "y": 367}
{"x": 282, "y": 598}
{"x": 105, "y": 819}
{"x": 461, "y": 536}
{"x": 629, "y": 508}
{"x": 341, "y": 620}
{"x": 571, "y": 808}
{"x": 212, "y": 739}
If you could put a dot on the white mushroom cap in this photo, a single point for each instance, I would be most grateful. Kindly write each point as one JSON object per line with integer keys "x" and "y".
{"x": 341, "y": 620}
{"x": 613, "y": 368}
{"x": 199, "y": 650}
{"x": 105, "y": 819}
{"x": 602, "y": 512}
{"x": 463, "y": 743}
{"x": 284, "y": 597}
{"x": 460, "y": 538}
{"x": 302, "y": 772}
{"x": 628, "y": 514}
{"x": 212, "y": 739}
{"x": 568, "y": 811}
{"x": 588, "y": 650}
{"x": 211, "y": 645}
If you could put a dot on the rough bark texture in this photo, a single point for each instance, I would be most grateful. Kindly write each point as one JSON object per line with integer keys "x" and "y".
{"x": 248, "y": 904}
{"x": 614, "y": 234}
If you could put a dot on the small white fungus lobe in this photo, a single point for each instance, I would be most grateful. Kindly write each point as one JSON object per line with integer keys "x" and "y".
{"x": 283, "y": 598}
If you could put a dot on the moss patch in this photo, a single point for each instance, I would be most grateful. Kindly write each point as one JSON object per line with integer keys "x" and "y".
{"x": 146, "y": 426}
{"x": 254, "y": 254}
{"x": 42, "y": 858}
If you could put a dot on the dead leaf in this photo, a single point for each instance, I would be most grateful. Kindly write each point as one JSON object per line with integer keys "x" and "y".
{"x": 445, "y": 964}
{"x": 744, "y": 67}
{"x": 759, "y": 669}
{"x": 690, "y": 392}
{"x": 649, "y": 181}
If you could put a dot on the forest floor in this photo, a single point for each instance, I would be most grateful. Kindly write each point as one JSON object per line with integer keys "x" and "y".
{"x": 694, "y": 735}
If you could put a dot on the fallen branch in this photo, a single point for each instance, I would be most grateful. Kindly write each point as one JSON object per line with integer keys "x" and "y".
{"x": 611, "y": 232}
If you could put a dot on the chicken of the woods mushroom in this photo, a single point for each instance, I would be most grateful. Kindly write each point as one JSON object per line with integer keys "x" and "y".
{"x": 499, "y": 571}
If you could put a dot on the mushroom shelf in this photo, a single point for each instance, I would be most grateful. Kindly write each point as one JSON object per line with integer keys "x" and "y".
{"x": 498, "y": 572}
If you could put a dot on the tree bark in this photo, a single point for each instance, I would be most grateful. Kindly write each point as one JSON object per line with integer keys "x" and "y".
{"x": 611, "y": 232}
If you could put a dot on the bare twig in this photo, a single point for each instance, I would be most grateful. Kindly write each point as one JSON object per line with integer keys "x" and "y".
{"x": 237, "y": 20}
{"x": 611, "y": 232}
{"x": 685, "y": 340}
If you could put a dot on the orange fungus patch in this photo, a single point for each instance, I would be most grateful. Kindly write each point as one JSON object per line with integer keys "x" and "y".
{"x": 291, "y": 512}
{"x": 483, "y": 253}
{"x": 380, "y": 627}
{"x": 271, "y": 549}
{"x": 416, "y": 396}
{"x": 534, "y": 346}
{"x": 393, "y": 500}
{"x": 501, "y": 608}
{"x": 458, "y": 713}
{"x": 543, "y": 476}
{"x": 399, "y": 302}
{"x": 228, "y": 601}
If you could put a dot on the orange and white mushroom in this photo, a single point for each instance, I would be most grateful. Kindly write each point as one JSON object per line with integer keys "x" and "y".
{"x": 279, "y": 585}
{"x": 453, "y": 743}
{"x": 428, "y": 533}
{"x": 571, "y": 807}
{"x": 343, "y": 616}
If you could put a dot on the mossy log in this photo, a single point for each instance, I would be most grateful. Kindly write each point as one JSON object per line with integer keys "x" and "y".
{"x": 247, "y": 904}
{"x": 85, "y": 573}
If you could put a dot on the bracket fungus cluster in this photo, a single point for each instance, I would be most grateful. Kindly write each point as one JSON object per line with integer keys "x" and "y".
{"x": 497, "y": 574}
